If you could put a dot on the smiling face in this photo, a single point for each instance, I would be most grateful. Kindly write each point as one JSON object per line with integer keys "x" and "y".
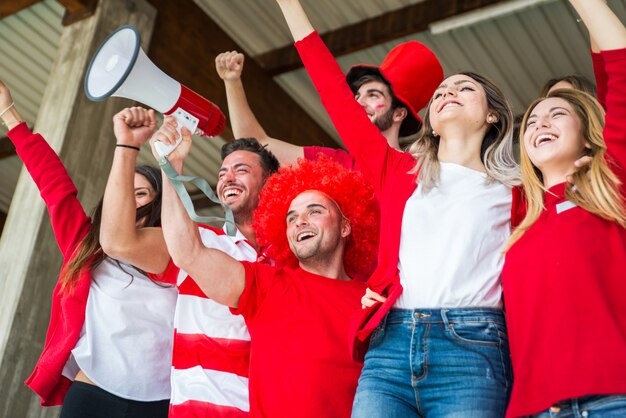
{"x": 552, "y": 137}
{"x": 315, "y": 226}
{"x": 144, "y": 193}
{"x": 460, "y": 99}
{"x": 376, "y": 99}
{"x": 239, "y": 182}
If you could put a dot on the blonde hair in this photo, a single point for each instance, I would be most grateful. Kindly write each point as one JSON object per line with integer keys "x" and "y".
{"x": 496, "y": 151}
{"x": 595, "y": 188}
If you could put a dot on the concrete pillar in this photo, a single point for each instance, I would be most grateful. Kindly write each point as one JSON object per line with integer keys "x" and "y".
{"x": 81, "y": 132}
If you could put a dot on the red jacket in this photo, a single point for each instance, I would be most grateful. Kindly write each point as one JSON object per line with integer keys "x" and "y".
{"x": 385, "y": 168}
{"x": 70, "y": 225}
{"x": 565, "y": 284}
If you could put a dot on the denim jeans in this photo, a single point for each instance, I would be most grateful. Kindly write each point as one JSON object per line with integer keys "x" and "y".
{"x": 433, "y": 363}
{"x": 605, "y": 406}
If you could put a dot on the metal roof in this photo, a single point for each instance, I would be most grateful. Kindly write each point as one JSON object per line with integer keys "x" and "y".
{"x": 519, "y": 44}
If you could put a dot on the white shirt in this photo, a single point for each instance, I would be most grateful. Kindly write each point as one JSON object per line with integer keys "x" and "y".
{"x": 452, "y": 241}
{"x": 125, "y": 346}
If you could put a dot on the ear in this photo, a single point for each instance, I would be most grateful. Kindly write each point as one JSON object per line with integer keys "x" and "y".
{"x": 587, "y": 144}
{"x": 346, "y": 228}
{"x": 399, "y": 114}
{"x": 492, "y": 117}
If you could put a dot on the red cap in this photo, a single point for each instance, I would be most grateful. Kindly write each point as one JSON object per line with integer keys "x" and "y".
{"x": 413, "y": 72}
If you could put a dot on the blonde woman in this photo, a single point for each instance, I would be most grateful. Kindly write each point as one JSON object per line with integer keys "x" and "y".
{"x": 565, "y": 271}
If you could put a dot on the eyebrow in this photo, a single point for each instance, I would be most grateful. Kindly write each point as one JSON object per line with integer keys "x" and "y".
{"x": 142, "y": 188}
{"x": 222, "y": 169}
{"x": 312, "y": 205}
{"x": 552, "y": 109}
{"x": 371, "y": 91}
{"x": 456, "y": 83}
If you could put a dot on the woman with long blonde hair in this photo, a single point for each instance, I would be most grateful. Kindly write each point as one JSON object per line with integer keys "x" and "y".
{"x": 564, "y": 277}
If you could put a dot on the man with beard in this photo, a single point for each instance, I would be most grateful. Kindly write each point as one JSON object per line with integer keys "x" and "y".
{"x": 391, "y": 95}
{"x": 318, "y": 221}
{"x": 211, "y": 352}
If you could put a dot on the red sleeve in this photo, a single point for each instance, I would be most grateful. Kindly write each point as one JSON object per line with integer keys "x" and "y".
{"x": 361, "y": 137}
{"x": 601, "y": 79}
{"x": 339, "y": 155}
{"x": 69, "y": 220}
{"x": 259, "y": 278}
{"x": 170, "y": 275}
{"x": 615, "y": 126}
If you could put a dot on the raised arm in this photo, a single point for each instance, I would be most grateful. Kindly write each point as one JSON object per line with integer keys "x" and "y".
{"x": 605, "y": 29}
{"x": 229, "y": 66}
{"x": 67, "y": 216}
{"x": 361, "y": 137}
{"x": 221, "y": 277}
{"x": 609, "y": 34}
{"x": 145, "y": 247}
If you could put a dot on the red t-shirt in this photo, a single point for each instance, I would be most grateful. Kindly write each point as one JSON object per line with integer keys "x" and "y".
{"x": 300, "y": 362}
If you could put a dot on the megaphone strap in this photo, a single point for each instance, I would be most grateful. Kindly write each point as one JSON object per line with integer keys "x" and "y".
{"x": 178, "y": 181}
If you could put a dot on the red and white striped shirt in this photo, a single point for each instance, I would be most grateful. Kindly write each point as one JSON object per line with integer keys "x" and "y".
{"x": 211, "y": 345}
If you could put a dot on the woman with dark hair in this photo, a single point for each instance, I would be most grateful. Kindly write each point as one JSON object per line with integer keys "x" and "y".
{"x": 108, "y": 346}
{"x": 564, "y": 275}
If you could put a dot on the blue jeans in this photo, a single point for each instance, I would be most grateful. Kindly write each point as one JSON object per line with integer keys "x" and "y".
{"x": 451, "y": 363}
{"x": 605, "y": 406}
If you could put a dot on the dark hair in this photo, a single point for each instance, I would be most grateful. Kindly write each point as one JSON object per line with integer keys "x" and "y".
{"x": 368, "y": 78}
{"x": 410, "y": 125}
{"x": 579, "y": 82}
{"x": 269, "y": 162}
{"x": 151, "y": 212}
{"x": 88, "y": 253}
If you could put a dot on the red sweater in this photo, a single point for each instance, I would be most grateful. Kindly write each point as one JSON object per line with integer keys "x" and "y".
{"x": 70, "y": 225}
{"x": 565, "y": 286}
{"x": 383, "y": 166}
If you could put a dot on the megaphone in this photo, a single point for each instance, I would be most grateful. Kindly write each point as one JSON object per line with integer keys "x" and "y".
{"x": 120, "y": 68}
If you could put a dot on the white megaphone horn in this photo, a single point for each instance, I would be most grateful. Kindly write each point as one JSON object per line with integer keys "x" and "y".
{"x": 120, "y": 68}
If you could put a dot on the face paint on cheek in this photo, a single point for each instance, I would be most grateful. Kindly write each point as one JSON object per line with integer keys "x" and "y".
{"x": 380, "y": 106}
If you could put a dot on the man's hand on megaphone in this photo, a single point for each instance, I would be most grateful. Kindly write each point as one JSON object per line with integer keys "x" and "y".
{"x": 134, "y": 125}
{"x": 229, "y": 65}
{"x": 168, "y": 135}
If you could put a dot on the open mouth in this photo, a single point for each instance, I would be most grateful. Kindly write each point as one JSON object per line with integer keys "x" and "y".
{"x": 544, "y": 139}
{"x": 303, "y": 236}
{"x": 449, "y": 103}
{"x": 231, "y": 192}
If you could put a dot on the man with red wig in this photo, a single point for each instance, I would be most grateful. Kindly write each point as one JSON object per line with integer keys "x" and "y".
{"x": 319, "y": 222}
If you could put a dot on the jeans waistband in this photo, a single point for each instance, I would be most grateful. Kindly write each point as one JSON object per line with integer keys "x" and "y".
{"x": 446, "y": 315}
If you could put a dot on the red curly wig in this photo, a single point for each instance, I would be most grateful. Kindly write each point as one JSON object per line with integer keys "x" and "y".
{"x": 347, "y": 188}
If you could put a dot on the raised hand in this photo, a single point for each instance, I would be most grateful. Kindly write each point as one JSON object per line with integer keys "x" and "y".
{"x": 229, "y": 65}
{"x": 168, "y": 135}
{"x": 134, "y": 125}
{"x": 5, "y": 97}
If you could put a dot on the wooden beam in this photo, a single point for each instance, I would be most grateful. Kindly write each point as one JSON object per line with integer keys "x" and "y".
{"x": 9, "y": 7}
{"x": 6, "y": 148}
{"x": 380, "y": 29}
{"x": 77, "y": 10}
{"x": 185, "y": 44}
